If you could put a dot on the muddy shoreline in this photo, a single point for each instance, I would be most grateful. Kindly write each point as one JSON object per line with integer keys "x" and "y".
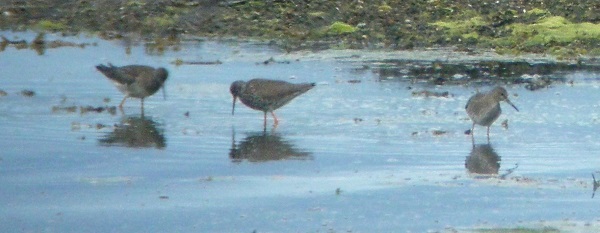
{"x": 563, "y": 30}
{"x": 437, "y": 66}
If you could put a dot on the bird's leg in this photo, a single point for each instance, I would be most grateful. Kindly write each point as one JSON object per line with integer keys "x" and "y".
{"x": 265, "y": 121}
{"x": 142, "y": 107}
{"x": 275, "y": 121}
{"x": 473, "y": 137}
{"x": 122, "y": 102}
{"x": 488, "y": 134}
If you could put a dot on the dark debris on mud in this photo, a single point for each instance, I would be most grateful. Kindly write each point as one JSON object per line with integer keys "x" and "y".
{"x": 39, "y": 44}
{"x": 532, "y": 76}
{"x": 179, "y": 62}
{"x": 27, "y": 93}
{"x": 426, "y": 94}
{"x": 112, "y": 110}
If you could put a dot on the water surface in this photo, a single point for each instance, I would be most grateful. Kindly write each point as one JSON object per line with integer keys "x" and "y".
{"x": 358, "y": 153}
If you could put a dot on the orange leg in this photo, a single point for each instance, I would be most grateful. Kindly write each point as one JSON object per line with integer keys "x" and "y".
{"x": 472, "y": 134}
{"x": 123, "y": 101}
{"x": 275, "y": 121}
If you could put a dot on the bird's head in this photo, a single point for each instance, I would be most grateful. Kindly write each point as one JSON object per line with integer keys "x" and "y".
{"x": 162, "y": 74}
{"x": 236, "y": 89}
{"x": 500, "y": 94}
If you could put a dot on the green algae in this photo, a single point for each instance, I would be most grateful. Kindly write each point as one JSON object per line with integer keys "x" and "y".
{"x": 384, "y": 8}
{"x": 50, "y": 25}
{"x": 317, "y": 14}
{"x": 535, "y": 14}
{"x": 466, "y": 29}
{"x": 555, "y": 30}
{"x": 551, "y": 34}
{"x": 164, "y": 21}
{"x": 340, "y": 28}
{"x": 554, "y": 35}
{"x": 519, "y": 230}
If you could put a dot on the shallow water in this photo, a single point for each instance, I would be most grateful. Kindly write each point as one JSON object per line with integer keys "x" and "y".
{"x": 358, "y": 153}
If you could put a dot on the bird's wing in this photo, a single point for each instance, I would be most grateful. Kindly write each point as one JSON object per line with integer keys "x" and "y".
{"x": 478, "y": 105}
{"x": 130, "y": 73}
{"x": 119, "y": 75}
{"x": 276, "y": 89}
{"x": 473, "y": 100}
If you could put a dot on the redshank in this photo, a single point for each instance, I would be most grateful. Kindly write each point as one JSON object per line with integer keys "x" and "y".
{"x": 484, "y": 108}
{"x": 135, "y": 80}
{"x": 266, "y": 95}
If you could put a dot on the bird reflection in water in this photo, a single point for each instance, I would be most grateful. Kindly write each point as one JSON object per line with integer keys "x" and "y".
{"x": 483, "y": 162}
{"x": 596, "y": 185}
{"x": 135, "y": 132}
{"x": 263, "y": 147}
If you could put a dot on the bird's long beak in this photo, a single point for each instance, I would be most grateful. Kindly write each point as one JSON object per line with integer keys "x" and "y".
{"x": 511, "y": 104}
{"x": 164, "y": 92}
{"x": 233, "y": 106}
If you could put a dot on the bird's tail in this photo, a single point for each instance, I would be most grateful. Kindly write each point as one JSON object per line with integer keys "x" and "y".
{"x": 309, "y": 86}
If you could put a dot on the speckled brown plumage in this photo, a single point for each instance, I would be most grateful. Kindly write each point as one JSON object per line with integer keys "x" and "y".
{"x": 266, "y": 95}
{"x": 484, "y": 108}
{"x": 135, "y": 80}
